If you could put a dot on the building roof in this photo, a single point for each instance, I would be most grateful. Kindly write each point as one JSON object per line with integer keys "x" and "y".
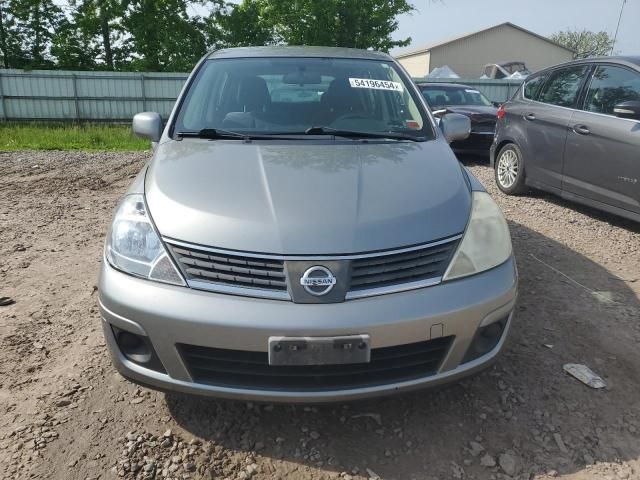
{"x": 296, "y": 51}
{"x": 431, "y": 46}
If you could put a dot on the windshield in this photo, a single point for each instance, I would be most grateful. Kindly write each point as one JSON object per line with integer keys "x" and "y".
{"x": 446, "y": 96}
{"x": 292, "y": 95}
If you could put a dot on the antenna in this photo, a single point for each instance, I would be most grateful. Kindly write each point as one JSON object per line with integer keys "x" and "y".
{"x": 615, "y": 37}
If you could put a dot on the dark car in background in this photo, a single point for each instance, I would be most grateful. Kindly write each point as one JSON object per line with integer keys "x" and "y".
{"x": 574, "y": 130}
{"x": 446, "y": 98}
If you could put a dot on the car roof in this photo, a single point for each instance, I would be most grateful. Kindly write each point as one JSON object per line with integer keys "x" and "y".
{"x": 635, "y": 59}
{"x": 293, "y": 51}
{"x": 629, "y": 60}
{"x": 442, "y": 84}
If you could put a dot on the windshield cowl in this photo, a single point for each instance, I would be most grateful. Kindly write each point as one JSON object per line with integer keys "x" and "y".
{"x": 311, "y": 133}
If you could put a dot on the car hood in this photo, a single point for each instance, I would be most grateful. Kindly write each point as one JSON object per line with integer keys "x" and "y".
{"x": 476, "y": 113}
{"x": 307, "y": 197}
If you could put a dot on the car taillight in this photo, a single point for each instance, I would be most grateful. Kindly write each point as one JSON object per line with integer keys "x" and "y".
{"x": 501, "y": 112}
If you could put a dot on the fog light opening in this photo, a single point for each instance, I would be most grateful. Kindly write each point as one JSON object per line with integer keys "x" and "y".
{"x": 137, "y": 349}
{"x": 134, "y": 347}
{"x": 486, "y": 339}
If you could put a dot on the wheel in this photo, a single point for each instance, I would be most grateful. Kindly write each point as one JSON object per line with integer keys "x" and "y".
{"x": 509, "y": 170}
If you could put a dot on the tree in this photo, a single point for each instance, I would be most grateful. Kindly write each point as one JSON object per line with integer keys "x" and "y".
{"x": 91, "y": 36}
{"x": 340, "y": 23}
{"x": 73, "y": 47}
{"x": 163, "y": 37}
{"x": 242, "y": 25}
{"x": 102, "y": 19}
{"x": 584, "y": 43}
{"x": 36, "y": 22}
{"x": 109, "y": 11}
{"x": 11, "y": 53}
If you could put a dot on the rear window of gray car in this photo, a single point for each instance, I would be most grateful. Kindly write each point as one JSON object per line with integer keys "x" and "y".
{"x": 563, "y": 86}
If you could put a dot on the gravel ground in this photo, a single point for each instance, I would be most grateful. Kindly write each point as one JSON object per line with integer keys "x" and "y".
{"x": 65, "y": 413}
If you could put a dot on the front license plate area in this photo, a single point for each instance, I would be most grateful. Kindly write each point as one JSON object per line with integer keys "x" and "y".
{"x": 319, "y": 350}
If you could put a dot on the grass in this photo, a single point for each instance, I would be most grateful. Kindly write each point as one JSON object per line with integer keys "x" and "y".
{"x": 61, "y": 136}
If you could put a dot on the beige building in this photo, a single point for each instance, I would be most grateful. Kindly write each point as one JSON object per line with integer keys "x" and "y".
{"x": 468, "y": 54}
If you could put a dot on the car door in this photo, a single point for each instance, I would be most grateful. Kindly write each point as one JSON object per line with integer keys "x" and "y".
{"x": 545, "y": 124}
{"x": 602, "y": 155}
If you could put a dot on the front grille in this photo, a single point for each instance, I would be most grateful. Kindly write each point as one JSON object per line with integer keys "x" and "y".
{"x": 394, "y": 269}
{"x": 244, "y": 369}
{"x": 233, "y": 270}
{"x": 264, "y": 275}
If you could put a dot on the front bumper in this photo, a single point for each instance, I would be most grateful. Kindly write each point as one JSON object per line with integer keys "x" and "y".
{"x": 170, "y": 315}
{"x": 477, "y": 143}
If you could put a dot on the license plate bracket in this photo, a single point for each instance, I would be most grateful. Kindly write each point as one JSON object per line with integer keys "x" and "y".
{"x": 292, "y": 351}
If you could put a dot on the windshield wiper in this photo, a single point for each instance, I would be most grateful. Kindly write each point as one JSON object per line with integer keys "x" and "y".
{"x": 217, "y": 133}
{"x": 355, "y": 134}
{"x": 213, "y": 133}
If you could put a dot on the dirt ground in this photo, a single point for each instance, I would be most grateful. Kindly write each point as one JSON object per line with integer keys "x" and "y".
{"x": 66, "y": 414}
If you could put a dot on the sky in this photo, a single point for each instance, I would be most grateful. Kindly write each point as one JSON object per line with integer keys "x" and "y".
{"x": 437, "y": 20}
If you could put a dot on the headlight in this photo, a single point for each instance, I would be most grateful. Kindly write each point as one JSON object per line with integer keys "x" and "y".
{"x": 486, "y": 242}
{"x": 134, "y": 247}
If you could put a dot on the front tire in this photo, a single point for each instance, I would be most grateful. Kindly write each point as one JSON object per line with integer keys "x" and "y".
{"x": 509, "y": 170}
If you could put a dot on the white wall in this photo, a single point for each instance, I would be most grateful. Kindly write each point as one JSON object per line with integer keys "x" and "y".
{"x": 417, "y": 65}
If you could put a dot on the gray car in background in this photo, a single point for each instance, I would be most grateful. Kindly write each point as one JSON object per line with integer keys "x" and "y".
{"x": 574, "y": 130}
{"x": 304, "y": 233}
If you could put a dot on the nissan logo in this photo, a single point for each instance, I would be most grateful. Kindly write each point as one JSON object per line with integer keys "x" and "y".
{"x": 318, "y": 281}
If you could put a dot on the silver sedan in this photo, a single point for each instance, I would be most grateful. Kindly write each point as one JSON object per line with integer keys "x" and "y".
{"x": 304, "y": 233}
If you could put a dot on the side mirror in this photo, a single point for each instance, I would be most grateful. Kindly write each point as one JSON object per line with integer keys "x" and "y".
{"x": 496, "y": 104}
{"x": 455, "y": 126}
{"x": 629, "y": 109}
{"x": 148, "y": 125}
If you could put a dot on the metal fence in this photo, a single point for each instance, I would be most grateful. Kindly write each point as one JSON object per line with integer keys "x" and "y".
{"x": 116, "y": 96}
{"x": 85, "y": 96}
{"x": 494, "y": 90}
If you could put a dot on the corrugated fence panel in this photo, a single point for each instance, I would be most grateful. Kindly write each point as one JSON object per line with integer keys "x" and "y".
{"x": 163, "y": 87}
{"x": 163, "y": 107}
{"x": 494, "y": 90}
{"x": 37, "y": 86}
{"x": 86, "y": 96}
{"x": 113, "y": 110}
{"x": 118, "y": 96}
{"x": 39, "y": 109}
{"x": 109, "y": 86}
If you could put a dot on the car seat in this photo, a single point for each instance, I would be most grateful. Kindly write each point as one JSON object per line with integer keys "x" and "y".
{"x": 339, "y": 99}
{"x": 440, "y": 100}
{"x": 252, "y": 99}
{"x": 455, "y": 98}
